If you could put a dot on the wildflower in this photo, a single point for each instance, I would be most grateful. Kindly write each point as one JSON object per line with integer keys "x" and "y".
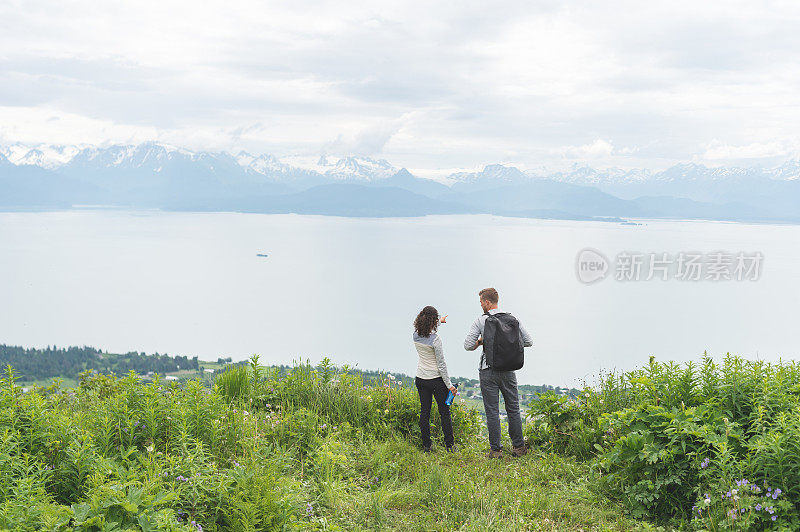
{"x": 704, "y": 463}
{"x": 386, "y": 411}
{"x": 758, "y": 507}
{"x": 309, "y": 509}
{"x": 774, "y": 517}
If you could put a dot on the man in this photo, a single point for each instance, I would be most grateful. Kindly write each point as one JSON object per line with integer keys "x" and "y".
{"x": 495, "y": 382}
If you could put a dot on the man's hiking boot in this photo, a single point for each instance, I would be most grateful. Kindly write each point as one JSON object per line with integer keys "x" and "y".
{"x": 516, "y": 452}
{"x": 426, "y": 449}
{"x": 495, "y": 454}
{"x": 452, "y": 448}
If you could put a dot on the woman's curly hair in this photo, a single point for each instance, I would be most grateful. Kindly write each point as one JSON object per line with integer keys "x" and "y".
{"x": 427, "y": 321}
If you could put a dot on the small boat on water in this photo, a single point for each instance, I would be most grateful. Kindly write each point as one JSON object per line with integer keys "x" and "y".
{"x": 261, "y": 255}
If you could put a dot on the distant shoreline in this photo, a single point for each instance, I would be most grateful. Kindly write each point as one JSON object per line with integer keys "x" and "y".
{"x": 610, "y": 220}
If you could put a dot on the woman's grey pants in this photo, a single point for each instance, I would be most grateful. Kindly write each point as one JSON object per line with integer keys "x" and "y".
{"x": 493, "y": 383}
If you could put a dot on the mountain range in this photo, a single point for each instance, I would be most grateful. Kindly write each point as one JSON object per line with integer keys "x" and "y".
{"x": 153, "y": 175}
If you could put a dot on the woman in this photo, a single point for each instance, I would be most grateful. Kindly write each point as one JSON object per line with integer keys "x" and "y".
{"x": 432, "y": 379}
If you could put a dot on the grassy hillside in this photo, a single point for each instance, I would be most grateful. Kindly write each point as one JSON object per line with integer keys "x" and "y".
{"x": 707, "y": 446}
{"x": 310, "y": 449}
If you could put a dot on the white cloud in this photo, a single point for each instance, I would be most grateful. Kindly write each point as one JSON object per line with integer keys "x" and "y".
{"x": 598, "y": 149}
{"x": 425, "y": 85}
{"x": 719, "y": 151}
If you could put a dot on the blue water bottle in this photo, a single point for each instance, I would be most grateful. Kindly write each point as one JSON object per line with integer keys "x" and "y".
{"x": 451, "y": 395}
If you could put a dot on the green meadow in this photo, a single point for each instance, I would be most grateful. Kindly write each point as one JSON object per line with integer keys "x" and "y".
{"x": 706, "y": 446}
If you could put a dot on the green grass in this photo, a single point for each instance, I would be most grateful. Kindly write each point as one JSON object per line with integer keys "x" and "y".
{"x": 311, "y": 449}
{"x": 462, "y": 491}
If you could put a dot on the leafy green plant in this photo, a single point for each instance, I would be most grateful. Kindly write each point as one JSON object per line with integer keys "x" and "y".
{"x": 562, "y": 424}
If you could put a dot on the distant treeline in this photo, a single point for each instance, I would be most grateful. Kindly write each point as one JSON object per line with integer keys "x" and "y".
{"x": 372, "y": 377}
{"x": 52, "y": 362}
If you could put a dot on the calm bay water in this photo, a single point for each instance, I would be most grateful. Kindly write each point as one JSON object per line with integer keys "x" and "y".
{"x": 191, "y": 284}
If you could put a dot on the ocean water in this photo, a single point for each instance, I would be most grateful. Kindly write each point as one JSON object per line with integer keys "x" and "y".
{"x": 349, "y": 288}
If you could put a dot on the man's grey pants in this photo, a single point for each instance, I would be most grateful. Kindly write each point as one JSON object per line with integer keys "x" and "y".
{"x": 493, "y": 383}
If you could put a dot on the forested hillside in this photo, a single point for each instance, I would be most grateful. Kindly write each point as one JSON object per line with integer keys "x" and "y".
{"x": 33, "y": 364}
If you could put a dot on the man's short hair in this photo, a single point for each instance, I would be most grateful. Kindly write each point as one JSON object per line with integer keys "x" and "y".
{"x": 490, "y": 295}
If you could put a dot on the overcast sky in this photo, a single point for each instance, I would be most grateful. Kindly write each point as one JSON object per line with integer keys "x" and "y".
{"x": 426, "y": 85}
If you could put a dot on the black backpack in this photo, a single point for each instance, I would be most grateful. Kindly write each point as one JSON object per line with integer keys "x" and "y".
{"x": 502, "y": 342}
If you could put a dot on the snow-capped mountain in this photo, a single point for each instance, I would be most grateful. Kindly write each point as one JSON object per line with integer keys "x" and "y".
{"x": 790, "y": 171}
{"x": 43, "y": 156}
{"x": 363, "y": 168}
{"x": 162, "y": 176}
{"x": 588, "y": 176}
{"x": 262, "y": 164}
{"x": 155, "y": 157}
{"x": 346, "y": 168}
{"x": 152, "y": 156}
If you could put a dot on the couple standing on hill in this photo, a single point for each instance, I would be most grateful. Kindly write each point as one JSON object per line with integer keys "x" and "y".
{"x": 503, "y": 339}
